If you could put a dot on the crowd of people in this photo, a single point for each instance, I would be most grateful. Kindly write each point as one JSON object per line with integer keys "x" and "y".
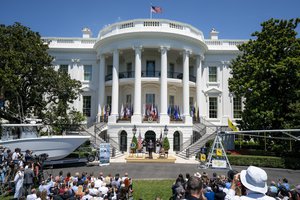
{"x": 20, "y": 173}
{"x": 248, "y": 184}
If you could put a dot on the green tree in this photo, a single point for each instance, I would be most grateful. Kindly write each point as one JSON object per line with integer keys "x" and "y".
{"x": 267, "y": 75}
{"x": 166, "y": 144}
{"x": 28, "y": 80}
{"x": 134, "y": 144}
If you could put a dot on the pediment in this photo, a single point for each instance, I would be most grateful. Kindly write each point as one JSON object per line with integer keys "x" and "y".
{"x": 212, "y": 91}
{"x": 87, "y": 89}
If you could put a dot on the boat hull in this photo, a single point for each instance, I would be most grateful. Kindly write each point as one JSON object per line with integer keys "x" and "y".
{"x": 57, "y": 147}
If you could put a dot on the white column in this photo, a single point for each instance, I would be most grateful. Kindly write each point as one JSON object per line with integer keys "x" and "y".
{"x": 164, "y": 118}
{"x": 137, "y": 117}
{"x": 186, "y": 88}
{"x": 200, "y": 97}
{"x": 115, "y": 88}
{"x": 101, "y": 84}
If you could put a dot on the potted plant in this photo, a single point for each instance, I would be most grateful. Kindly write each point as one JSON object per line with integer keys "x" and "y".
{"x": 133, "y": 144}
{"x": 166, "y": 145}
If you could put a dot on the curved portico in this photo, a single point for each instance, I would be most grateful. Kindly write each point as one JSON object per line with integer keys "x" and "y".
{"x": 142, "y": 51}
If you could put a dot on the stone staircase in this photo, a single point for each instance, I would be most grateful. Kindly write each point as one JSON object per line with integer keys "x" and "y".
{"x": 207, "y": 130}
{"x": 95, "y": 139}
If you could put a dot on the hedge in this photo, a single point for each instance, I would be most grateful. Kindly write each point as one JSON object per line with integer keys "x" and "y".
{"x": 265, "y": 161}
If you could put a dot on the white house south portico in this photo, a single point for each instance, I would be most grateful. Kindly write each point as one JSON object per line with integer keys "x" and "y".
{"x": 151, "y": 73}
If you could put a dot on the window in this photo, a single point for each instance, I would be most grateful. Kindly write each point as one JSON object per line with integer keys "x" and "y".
{"x": 150, "y": 69}
{"x": 87, "y": 72}
{"x": 192, "y": 106}
{"x": 237, "y": 107}
{"x": 171, "y": 70}
{"x": 191, "y": 102}
{"x": 212, "y": 74}
{"x": 129, "y": 70}
{"x": 128, "y": 99}
{"x": 150, "y": 99}
{"x": 108, "y": 100}
{"x": 213, "y": 107}
{"x": 171, "y": 100}
{"x": 191, "y": 70}
{"x": 109, "y": 69}
{"x": 63, "y": 68}
{"x": 87, "y": 106}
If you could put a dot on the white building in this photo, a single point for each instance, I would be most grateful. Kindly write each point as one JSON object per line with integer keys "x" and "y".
{"x": 161, "y": 72}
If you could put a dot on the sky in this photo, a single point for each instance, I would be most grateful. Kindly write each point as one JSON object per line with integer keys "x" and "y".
{"x": 233, "y": 19}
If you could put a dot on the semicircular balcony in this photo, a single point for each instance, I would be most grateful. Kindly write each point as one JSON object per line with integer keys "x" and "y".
{"x": 150, "y": 74}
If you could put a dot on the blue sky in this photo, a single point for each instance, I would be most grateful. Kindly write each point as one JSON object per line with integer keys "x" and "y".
{"x": 234, "y": 19}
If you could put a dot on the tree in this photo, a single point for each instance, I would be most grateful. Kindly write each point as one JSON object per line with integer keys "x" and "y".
{"x": 166, "y": 144}
{"x": 134, "y": 144}
{"x": 28, "y": 81}
{"x": 267, "y": 75}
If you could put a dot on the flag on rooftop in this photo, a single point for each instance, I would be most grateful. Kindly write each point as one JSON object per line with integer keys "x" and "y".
{"x": 156, "y": 9}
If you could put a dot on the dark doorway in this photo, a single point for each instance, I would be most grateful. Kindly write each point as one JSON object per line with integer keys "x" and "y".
{"x": 150, "y": 135}
{"x": 123, "y": 141}
{"x": 176, "y": 141}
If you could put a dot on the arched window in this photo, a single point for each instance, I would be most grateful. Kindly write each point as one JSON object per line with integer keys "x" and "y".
{"x": 123, "y": 141}
{"x": 176, "y": 141}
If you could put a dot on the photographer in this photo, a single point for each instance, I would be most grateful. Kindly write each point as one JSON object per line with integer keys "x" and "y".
{"x": 252, "y": 183}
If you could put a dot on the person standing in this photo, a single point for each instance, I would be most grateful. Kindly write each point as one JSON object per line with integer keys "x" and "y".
{"x": 195, "y": 189}
{"x": 254, "y": 180}
{"x": 150, "y": 149}
{"x": 19, "y": 179}
{"x": 28, "y": 179}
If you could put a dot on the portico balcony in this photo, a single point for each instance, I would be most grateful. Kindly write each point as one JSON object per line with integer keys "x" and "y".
{"x": 150, "y": 74}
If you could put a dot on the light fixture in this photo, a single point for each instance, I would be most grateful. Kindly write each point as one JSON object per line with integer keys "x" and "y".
{"x": 166, "y": 130}
{"x": 134, "y": 129}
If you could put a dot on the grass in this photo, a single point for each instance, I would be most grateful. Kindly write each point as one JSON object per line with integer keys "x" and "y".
{"x": 149, "y": 189}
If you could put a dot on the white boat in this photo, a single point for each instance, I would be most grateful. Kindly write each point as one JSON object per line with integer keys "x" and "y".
{"x": 26, "y": 137}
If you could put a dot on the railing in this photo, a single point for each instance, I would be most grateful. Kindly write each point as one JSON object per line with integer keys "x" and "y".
{"x": 151, "y": 24}
{"x": 131, "y": 74}
{"x": 225, "y": 42}
{"x": 151, "y": 74}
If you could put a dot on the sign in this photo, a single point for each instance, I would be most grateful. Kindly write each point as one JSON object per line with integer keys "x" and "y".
{"x": 202, "y": 157}
{"x": 104, "y": 155}
{"x": 219, "y": 164}
{"x": 219, "y": 152}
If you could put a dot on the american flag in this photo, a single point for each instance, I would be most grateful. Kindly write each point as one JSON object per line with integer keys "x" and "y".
{"x": 156, "y": 9}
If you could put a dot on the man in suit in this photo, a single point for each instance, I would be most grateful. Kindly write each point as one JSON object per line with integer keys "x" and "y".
{"x": 150, "y": 148}
{"x": 28, "y": 179}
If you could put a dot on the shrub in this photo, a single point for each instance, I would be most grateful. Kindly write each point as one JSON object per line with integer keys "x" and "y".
{"x": 166, "y": 144}
{"x": 134, "y": 143}
{"x": 260, "y": 161}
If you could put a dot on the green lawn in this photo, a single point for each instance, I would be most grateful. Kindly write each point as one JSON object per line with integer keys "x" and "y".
{"x": 149, "y": 189}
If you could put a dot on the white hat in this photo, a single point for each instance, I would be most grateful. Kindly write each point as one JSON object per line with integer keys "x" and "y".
{"x": 255, "y": 179}
{"x": 197, "y": 174}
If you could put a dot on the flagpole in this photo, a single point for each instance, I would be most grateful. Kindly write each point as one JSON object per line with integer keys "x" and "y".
{"x": 150, "y": 12}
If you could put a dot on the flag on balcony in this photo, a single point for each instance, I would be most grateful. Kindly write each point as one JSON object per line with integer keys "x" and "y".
{"x": 169, "y": 110}
{"x": 176, "y": 114}
{"x": 144, "y": 110}
{"x": 122, "y": 112}
{"x": 156, "y": 9}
